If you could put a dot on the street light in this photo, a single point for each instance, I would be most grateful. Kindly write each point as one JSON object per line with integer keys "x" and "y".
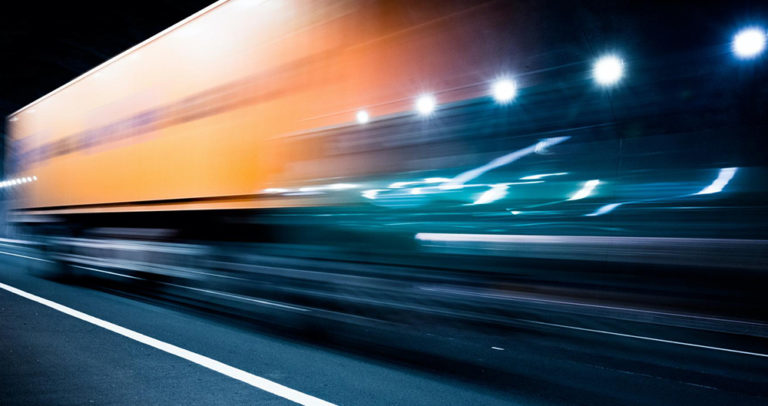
{"x": 504, "y": 90}
{"x": 363, "y": 117}
{"x": 748, "y": 43}
{"x": 426, "y": 104}
{"x": 608, "y": 70}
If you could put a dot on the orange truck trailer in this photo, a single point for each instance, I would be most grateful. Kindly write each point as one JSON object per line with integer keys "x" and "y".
{"x": 246, "y": 99}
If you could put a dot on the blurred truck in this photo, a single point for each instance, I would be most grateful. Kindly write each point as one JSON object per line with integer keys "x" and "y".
{"x": 373, "y": 132}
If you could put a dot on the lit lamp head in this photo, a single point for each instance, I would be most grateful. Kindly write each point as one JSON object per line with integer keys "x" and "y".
{"x": 363, "y": 117}
{"x": 608, "y": 70}
{"x": 426, "y": 104}
{"x": 749, "y": 43}
{"x": 504, "y": 90}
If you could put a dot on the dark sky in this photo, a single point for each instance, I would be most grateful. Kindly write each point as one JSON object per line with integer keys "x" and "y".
{"x": 45, "y": 43}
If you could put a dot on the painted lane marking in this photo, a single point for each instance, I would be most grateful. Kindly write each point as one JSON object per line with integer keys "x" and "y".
{"x": 24, "y": 256}
{"x": 239, "y": 297}
{"x": 87, "y": 268}
{"x": 532, "y": 299}
{"x": 658, "y": 340}
{"x": 224, "y": 369}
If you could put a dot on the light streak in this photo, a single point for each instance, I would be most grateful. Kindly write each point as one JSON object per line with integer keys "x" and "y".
{"x": 603, "y": 210}
{"x": 585, "y": 190}
{"x": 465, "y": 177}
{"x": 723, "y": 177}
{"x": 543, "y": 175}
{"x": 495, "y": 193}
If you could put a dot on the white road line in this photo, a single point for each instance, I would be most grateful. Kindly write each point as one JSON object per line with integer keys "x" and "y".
{"x": 106, "y": 272}
{"x": 24, "y": 256}
{"x": 232, "y": 372}
{"x": 658, "y": 340}
{"x": 510, "y": 296}
{"x": 246, "y": 298}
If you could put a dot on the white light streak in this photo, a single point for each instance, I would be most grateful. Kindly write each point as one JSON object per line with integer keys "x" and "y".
{"x": 276, "y": 190}
{"x": 436, "y": 180}
{"x": 335, "y": 186}
{"x": 585, "y": 190}
{"x": 603, "y": 210}
{"x": 371, "y": 193}
{"x": 342, "y": 186}
{"x": 495, "y": 193}
{"x": 401, "y": 184}
{"x": 724, "y": 176}
{"x": 543, "y": 175}
{"x": 398, "y": 185}
{"x": 318, "y": 188}
{"x": 458, "y": 181}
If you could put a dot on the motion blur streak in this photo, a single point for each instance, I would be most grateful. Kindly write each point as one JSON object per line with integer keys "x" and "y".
{"x": 465, "y": 177}
{"x": 375, "y": 175}
{"x": 24, "y": 256}
{"x": 724, "y": 176}
{"x": 707, "y": 252}
{"x": 604, "y": 209}
{"x": 708, "y": 347}
{"x": 543, "y": 175}
{"x": 586, "y": 190}
{"x": 232, "y": 372}
{"x": 536, "y": 239}
{"x": 495, "y": 193}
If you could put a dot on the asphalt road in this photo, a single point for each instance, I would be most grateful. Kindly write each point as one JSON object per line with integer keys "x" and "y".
{"x": 49, "y": 357}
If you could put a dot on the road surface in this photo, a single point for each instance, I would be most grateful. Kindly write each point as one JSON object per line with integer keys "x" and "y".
{"x": 65, "y": 343}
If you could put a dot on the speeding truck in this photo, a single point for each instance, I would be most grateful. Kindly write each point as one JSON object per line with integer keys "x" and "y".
{"x": 431, "y": 134}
